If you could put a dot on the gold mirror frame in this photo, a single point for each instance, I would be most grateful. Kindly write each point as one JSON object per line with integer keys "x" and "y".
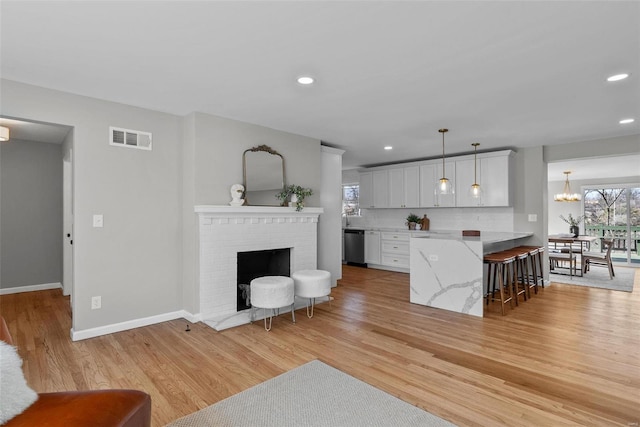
{"x": 247, "y": 185}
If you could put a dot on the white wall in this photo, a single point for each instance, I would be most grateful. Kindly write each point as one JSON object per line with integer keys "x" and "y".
{"x": 330, "y": 223}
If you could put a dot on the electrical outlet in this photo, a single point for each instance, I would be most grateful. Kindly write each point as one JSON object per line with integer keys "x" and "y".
{"x": 96, "y": 303}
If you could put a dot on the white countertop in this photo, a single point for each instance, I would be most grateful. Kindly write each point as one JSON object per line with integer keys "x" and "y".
{"x": 485, "y": 236}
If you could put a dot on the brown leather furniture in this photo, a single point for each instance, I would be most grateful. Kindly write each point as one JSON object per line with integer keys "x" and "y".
{"x": 100, "y": 408}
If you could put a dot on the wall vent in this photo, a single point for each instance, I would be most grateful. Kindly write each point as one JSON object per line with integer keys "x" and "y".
{"x": 130, "y": 138}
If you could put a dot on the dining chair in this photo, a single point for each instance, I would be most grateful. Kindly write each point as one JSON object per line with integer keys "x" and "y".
{"x": 599, "y": 258}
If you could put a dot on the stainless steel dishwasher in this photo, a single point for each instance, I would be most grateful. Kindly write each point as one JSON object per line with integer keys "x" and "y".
{"x": 354, "y": 246}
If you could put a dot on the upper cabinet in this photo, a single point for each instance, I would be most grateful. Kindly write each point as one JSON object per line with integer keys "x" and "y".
{"x": 365, "y": 197}
{"x": 430, "y": 174}
{"x": 492, "y": 175}
{"x": 404, "y": 187}
{"x": 374, "y": 189}
{"x": 496, "y": 178}
{"x": 381, "y": 189}
{"x": 414, "y": 184}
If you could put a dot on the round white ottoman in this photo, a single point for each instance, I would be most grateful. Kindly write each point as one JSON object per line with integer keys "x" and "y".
{"x": 312, "y": 284}
{"x": 272, "y": 292}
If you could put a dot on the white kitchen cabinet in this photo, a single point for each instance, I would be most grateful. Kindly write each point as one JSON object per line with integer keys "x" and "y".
{"x": 396, "y": 188}
{"x": 495, "y": 184}
{"x": 394, "y": 249}
{"x": 365, "y": 197}
{"x": 429, "y": 175}
{"x": 493, "y": 177}
{"x": 380, "y": 189}
{"x": 404, "y": 187}
{"x": 411, "y": 187}
{"x": 372, "y": 247}
{"x": 464, "y": 180}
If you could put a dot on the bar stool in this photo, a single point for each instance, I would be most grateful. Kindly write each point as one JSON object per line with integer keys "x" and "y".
{"x": 499, "y": 267}
{"x": 520, "y": 273}
{"x": 536, "y": 255}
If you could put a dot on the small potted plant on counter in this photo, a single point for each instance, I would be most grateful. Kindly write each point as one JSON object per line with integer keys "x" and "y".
{"x": 296, "y": 195}
{"x": 573, "y": 223}
{"x": 412, "y": 220}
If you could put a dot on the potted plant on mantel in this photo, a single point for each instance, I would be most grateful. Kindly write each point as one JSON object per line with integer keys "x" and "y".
{"x": 573, "y": 223}
{"x": 412, "y": 220}
{"x": 296, "y": 195}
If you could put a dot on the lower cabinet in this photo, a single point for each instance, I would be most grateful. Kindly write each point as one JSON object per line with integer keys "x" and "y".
{"x": 372, "y": 247}
{"x": 394, "y": 249}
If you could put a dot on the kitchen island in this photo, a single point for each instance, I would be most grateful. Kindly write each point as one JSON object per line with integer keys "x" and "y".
{"x": 447, "y": 269}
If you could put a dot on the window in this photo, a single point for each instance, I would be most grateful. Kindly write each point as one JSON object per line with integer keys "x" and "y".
{"x": 350, "y": 203}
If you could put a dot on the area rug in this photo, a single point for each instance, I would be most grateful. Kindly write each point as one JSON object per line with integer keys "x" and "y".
{"x": 314, "y": 394}
{"x": 598, "y": 277}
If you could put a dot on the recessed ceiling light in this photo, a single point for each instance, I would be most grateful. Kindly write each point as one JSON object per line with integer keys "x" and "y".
{"x": 388, "y": 147}
{"x": 626, "y": 121}
{"x": 617, "y": 77}
{"x": 305, "y": 80}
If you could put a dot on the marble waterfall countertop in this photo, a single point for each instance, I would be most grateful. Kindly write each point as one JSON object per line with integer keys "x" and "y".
{"x": 447, "y": 269}
{"x": 485, "y": 237}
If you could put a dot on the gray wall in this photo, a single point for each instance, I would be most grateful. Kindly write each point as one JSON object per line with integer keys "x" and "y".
{"x": 30, "y": 213}
{"x": 134, "y": 261}
{"x": 143, "y": 261}
{"x": 213, "y": 148}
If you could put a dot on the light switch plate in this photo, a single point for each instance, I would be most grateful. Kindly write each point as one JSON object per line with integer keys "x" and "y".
{"x": 98, "y": 221}
{"x": 533, "y": 218}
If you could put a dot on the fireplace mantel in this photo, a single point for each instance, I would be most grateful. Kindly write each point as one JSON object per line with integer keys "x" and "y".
{"x": 255, "y": 210}
{"x": 224, "y": 231}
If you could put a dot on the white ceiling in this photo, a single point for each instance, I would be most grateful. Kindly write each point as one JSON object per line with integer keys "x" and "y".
{"x": 501, "y": 73}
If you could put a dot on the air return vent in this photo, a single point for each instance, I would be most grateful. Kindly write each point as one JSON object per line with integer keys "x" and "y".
{"x": 130, "y": 138}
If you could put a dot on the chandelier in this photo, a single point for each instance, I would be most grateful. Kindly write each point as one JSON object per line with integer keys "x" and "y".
{"x": 567, "y": 195}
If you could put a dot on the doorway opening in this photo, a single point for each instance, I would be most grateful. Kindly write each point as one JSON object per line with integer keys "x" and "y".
{"x": 37, "y": 206}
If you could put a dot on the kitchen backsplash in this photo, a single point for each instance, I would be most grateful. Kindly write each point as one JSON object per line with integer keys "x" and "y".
{"x": 485, "y": 219}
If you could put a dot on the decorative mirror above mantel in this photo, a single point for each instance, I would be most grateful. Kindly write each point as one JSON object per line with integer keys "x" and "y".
{"x": 263, "y": 174}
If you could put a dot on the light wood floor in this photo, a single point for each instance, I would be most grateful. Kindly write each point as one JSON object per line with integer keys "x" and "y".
{"x": 568, "y": 356}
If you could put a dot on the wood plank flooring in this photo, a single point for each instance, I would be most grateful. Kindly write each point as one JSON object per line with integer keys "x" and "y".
{"x": 568, "y": 356}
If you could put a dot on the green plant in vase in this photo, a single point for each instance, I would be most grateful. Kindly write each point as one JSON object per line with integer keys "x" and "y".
{"x": 573, "y": 223}
{"x": 412, "y": 220}
{"x": 295, "y": 194}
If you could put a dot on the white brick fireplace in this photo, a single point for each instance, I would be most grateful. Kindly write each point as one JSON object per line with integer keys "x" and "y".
{"x": 226, "y": 230}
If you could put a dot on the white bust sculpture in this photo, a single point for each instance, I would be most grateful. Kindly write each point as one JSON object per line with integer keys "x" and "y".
{"x": 237, "y": 190}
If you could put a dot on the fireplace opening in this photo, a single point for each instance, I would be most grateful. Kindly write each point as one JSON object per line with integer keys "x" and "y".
{"x": 254, "y": 264}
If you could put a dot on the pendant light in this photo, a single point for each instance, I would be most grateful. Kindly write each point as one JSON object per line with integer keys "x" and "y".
{"x": 567, "y": 195}
{"x": 4, "y": 133}
{"x": 475, "y": 191}
{"x": 444, "y": 185}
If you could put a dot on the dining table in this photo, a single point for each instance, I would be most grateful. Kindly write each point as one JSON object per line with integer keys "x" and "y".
{"x": 572, "y": 245}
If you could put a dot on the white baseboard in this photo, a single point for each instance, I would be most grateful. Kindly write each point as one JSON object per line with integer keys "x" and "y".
{"x": 132, "y": 324}
{"x": 30, "y": 288}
